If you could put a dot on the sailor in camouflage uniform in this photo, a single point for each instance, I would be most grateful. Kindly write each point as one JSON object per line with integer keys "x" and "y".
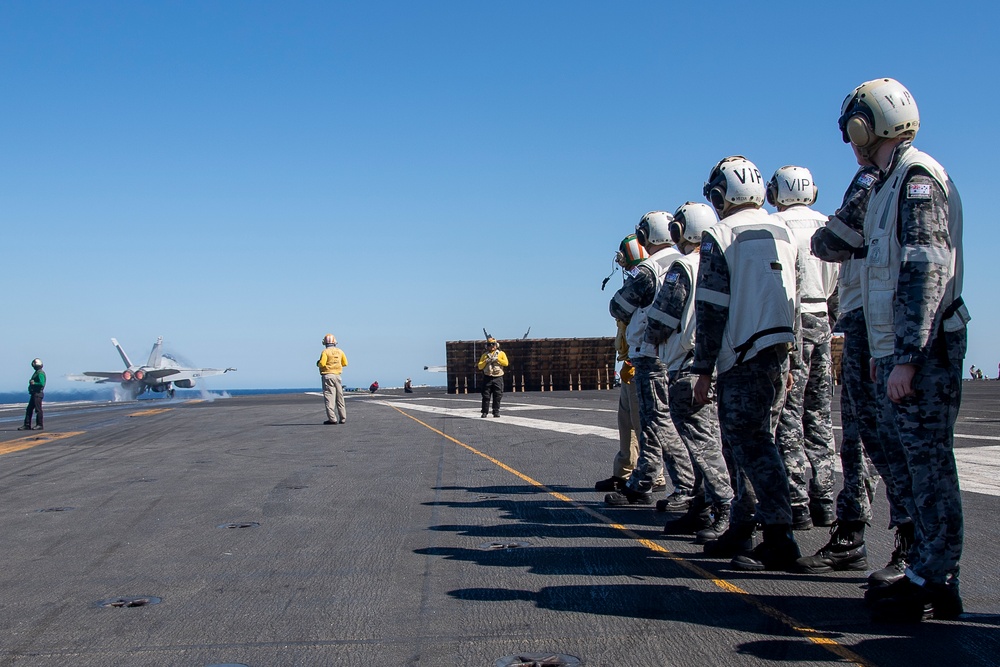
{"x": 747, "y": 322}
{"x": 805, "y": 432}
{"x": 861, "y": 449}
{"x": 630, "y": 253}
{"x": 912, "y": 287}
{"x": 659, "y": 443}
{"x": 671, "y": 328}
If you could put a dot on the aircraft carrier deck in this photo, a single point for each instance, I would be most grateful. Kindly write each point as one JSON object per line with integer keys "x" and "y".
{"x": 242, "y": 531}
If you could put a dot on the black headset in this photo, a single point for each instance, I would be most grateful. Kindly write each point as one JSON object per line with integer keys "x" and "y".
{"x": 715, "y": 189}
{"x": 677, "y": 228}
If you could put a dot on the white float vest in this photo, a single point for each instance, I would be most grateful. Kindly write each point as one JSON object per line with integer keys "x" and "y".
{"x": 635, "y": 333}
{"x": 820, "y": 278}
{"x": 677, "y": 349}
{"x": 885, "y": 255}
{"x": 761, "y": 254}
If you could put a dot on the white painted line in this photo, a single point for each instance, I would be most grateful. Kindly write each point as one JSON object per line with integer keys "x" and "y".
{"x": 540, "y": 424}
{"x": 978, "y": 467}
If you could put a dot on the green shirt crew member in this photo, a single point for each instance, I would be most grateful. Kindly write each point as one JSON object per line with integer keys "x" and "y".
{"x": 36, "y": 391}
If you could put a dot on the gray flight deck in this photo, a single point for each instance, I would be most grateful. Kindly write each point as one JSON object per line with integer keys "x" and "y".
{"x": 243, "y": 531}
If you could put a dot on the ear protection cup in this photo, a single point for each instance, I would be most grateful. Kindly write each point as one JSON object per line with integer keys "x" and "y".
{"x": 677, "y": 230}
{"x": 718, "y": 198}
{"x": 859, "y": 131}
{"x": 620, "y": 258}
{"x": 642, "y": 234}
{"x": 815, "y": 194}
{"x": 772, "y": 193}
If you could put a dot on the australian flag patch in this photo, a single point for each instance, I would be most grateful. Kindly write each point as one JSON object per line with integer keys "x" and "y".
{"x": 866, "y": 180}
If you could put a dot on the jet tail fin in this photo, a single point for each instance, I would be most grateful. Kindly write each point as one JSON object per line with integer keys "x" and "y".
{"x": 128, "y": 364}
{"x": 154, "y": 354}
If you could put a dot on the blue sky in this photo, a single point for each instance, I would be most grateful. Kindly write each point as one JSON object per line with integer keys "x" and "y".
{"x": 244, "y": 177}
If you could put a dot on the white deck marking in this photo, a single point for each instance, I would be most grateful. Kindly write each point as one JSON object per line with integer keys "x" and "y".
{"x": 978, "y": 467}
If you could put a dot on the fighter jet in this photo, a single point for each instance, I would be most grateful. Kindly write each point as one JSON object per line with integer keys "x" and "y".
{"x": 160, "y": 374}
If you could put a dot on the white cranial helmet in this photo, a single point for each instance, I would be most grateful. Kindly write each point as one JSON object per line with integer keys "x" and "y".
{"x": 690, "y": 220}
{"x": 654, "y": 228}
{"x": 733, "y": 182}
{"x": 791, "y": 185}
{"x": 878, "y": 110}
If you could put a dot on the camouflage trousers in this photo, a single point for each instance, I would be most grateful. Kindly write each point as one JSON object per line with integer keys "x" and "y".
{"x": 628, "y": 428}
{"x": 751, "y": 396}
{"x": 698, "y": 428}
{"x": 659, "y": 444}
{"x": 862, "y": 445}
{"x": 805, "y": 431}
{"x": 920, "y": 436}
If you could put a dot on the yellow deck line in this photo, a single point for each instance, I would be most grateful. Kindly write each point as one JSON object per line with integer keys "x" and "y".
{"x": 29, "y": 441}
{"x": 152, "y": 411}
{"x": 815, "y": 636}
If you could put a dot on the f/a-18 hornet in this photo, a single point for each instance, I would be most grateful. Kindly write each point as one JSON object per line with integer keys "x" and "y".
{"x": 161, "y": 373}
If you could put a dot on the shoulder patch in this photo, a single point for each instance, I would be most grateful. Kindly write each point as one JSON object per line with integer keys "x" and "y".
{"x": 918, "y": 190}
{"x": 634, "y": 271}
{"x": 672, "y": 277}
{"x": 706, "y": 246}
{"x": 866, "y": 180}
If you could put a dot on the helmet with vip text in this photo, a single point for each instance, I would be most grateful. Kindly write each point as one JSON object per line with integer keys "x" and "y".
{"x": 875, "y": 111}
{"x": 630, "y": 252}
{"x": 329, "y": 339}
{"x": 654, "y": 228}
{"x": 36, "y": 364}
{"x": 734, "y": 181}
{"x": 690, "y": 220}
{"x": 791, "y": 185}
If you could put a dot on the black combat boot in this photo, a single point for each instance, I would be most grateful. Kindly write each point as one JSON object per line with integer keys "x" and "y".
{"x": 778, "y": 551}
{"x": 720, "y": 524}
{"x": 822, "y": 512}
{"x": 626, "y": 497}
{"x": 801, "y": 519}
{"x": 896, "y": 568}
{"x": 698, "y": 517}
{"x": 844, "y": 551}
{"x": 610, "y": 484}
{"x": 737, "y": 539}
{"x": 678, "y": 501}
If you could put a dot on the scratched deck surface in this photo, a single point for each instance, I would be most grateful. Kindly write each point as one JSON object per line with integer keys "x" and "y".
{"x": 415, "y": 534}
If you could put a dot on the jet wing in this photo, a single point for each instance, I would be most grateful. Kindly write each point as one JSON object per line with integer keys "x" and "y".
{"x": 160, "y": 373}
{"x": 98, "y": 376}
{"x": 188, "y": 373}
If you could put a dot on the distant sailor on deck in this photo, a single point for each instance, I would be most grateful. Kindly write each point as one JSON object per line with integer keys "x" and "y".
{"x": 492, "y": 363}
{"x": 331, "y": 364}
{"x": 36, "y": 388}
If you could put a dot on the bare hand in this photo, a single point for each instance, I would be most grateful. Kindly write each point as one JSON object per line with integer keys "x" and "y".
{"x": 900, "y": 383}
{"x": 871, "y": 369}
{"x": 702, "y": 389}
{"x": 789, "y": 382}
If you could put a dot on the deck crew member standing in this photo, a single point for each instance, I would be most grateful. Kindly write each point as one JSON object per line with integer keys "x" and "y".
{"x": 331, "y": 364}
{"x": 912, "y": 288}
{"x": 805, "y": 431}
{"x": 841, "y": 240}
{"x": 630, "y": 254}
{"x": 36, "y": 391}
{"x": 659, "y": 443}
{"x": 492, "y": 363}
{"x": 671, "y": 327}
{"x": 746, "y": 325}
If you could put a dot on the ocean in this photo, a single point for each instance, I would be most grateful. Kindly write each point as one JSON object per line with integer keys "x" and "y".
{"x": 106, "y": 394}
